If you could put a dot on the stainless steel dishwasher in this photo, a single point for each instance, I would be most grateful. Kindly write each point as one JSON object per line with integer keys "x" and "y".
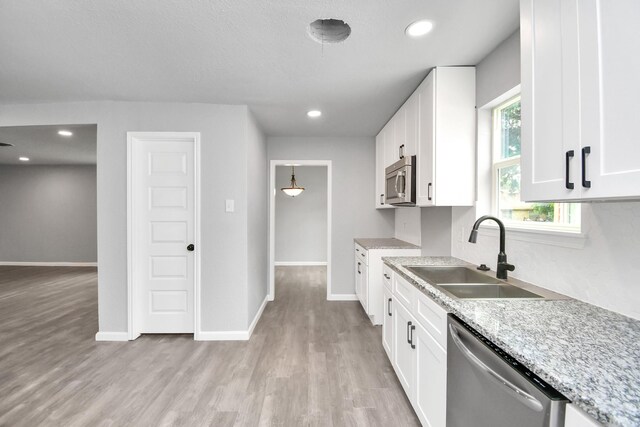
{"x": 486, "y": 387}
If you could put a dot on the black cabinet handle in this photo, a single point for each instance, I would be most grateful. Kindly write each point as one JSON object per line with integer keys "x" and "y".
{"x": 413, "y": 328}
{"x": 386, "y": 276}
{"x": 357, "y": 250}
{"x": 408, "y": 328}
{"x": 359, "y": 268}
{"x": 389, "y": 307}
{"x": 567, "y": 158}
{"x": 401, "y": 151}
{"x": 429, "y": 191}
{"x": 191, "y": 247}
{"x": 585, "y": 151}
{"x": 382, "y": 199}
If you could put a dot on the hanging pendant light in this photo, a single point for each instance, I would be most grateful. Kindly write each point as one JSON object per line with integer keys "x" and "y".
{"x": 293, "y": 190}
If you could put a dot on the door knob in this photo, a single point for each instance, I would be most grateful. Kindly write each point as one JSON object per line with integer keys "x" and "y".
{"x": 190, "y": 248}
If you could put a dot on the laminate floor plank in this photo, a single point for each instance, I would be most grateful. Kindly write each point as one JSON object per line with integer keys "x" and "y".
{"x": 310, "y": 362}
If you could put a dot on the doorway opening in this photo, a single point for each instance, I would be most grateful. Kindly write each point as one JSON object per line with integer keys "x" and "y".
{"x": 48, "y": 237}
{"x": 300, "y": 226}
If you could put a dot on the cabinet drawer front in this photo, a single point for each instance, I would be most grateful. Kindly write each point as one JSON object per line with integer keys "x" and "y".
{"x": 404, "y": 291}
{"x": 433, "y": 318}
{"x": 387, "y": 277}
{"x": 362, "y": 254}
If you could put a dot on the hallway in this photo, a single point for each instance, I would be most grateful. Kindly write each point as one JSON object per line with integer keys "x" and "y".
{"x": 309, "y": 362}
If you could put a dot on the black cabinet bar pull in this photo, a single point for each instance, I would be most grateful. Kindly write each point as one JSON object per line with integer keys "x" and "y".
{"x": 429, "y": 191}
{"x": 359, "y": 268}
{"x": 386, "y": 276}
{"x": 382, "y": 199}
{"x": 408, "y": 327}
{"x": 585, "y": 151}
{"x": 413, "y": 328}
{"x": 389, "y": 307}
{"x": 568, "y": 157}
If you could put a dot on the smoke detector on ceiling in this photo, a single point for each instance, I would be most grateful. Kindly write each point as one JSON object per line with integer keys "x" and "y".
{"x": 329, "y": 30}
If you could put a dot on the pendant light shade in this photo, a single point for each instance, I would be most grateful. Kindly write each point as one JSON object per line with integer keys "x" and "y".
{"x": 293, "y": 190}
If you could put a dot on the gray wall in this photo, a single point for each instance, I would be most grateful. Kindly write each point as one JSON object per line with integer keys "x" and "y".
{"x": 257, "y": 218}
{"x": 499, "y": 71}
{"x": 353, "y": 210}
{"x": 301, "y": 222}
{"x": 224, "y": 175}
{"x": 48, "y": 213}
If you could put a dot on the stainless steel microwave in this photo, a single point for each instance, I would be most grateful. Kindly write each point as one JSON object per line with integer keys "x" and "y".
{"x": 400, "y": 182}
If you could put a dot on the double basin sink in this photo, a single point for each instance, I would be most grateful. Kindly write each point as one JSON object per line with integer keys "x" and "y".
{"x": 465, "y": 283}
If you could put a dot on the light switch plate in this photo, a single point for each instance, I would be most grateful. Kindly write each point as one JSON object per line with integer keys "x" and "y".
{"x": 229, "y": 205}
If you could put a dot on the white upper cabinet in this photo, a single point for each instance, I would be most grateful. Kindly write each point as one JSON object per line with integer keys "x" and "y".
{"x": 411, "y": 126}
{"x": 437, "y": 125}
{"x": 579, "y": 84}
{"x": 446, "y": 138}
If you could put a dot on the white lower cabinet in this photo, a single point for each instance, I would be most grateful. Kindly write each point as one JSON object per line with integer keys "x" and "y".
{"x": 404, "y": 356}
{"x": 369, "y": 278}
{"x": 420, "y": 362}
{"x": 575, "y": 417}
{"x": 387, "y": 322}
{"x": 431, "y": 379}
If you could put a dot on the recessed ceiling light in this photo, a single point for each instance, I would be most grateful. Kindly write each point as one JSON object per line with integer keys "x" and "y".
{"x": 314, "y": 113}
{"x": 23, "y": 159}
{"x": 419, "y": 28}
{"x": 65, "y": 133}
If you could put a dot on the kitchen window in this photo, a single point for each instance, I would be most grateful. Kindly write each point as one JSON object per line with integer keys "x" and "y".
{"x": 564, "y": 217}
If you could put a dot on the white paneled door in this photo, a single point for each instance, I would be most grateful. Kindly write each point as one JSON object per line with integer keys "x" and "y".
{"x": 162, "y": 232}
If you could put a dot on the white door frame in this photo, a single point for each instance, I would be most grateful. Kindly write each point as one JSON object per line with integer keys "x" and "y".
{"x": 272, "y": 219}
{"x": 132, "y": 138}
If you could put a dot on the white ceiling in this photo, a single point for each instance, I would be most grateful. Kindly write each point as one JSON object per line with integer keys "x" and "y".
{"x": 43, "y": 146}
{"x": 252, "y": 52}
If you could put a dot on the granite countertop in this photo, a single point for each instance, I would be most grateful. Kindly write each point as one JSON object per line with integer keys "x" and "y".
{"x": 589, "y": 354}
{"x": 382, "y": 243}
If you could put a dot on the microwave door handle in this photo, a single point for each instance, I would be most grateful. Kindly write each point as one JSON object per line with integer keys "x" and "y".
{"x": 401, "y": 175}
{"x": 516, "y": 391}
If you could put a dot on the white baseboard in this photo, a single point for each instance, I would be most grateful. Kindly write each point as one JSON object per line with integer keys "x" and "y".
{"x": 342, "y": 297}
{"x": 50, "y": 264}
{"x": 112, "y": 336}
{"x": 298, "y": 263}
{"x": 234, "y": 335}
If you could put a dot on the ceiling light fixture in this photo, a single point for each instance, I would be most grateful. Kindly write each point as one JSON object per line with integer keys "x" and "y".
{"x": 419, "y": 28}
{"x": 23, "y": 159}
{"x": 293, "y": 190}
{"x": 65, "y": 132}
{"x": 314, "y": 113}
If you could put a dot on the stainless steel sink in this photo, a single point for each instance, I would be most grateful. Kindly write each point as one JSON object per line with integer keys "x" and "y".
{"x": 465, "y": 283}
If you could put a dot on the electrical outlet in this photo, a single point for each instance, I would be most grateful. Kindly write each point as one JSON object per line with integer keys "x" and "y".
{"x": 229, "y": 205}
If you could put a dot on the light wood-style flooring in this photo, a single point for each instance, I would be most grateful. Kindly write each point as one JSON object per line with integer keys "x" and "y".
{"x": 309, "y": 362}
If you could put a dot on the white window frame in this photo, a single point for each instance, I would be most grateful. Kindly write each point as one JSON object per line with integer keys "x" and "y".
{"x": 498, "y": 163}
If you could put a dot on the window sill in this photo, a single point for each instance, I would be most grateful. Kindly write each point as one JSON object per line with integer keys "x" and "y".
{"x": 567, "y": 239}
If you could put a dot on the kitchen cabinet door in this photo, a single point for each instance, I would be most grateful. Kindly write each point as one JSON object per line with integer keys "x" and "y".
{"x": 390, "y": 153}
{"x": 431, "y": 380}
{"x": 399, "y": 130}
{"x": 358, "y": 276}
{"x": 411, "y": 125}
{"x": 445, "y": 173}
{"x": 575, "y": 417}
{"x": 426, "y": 141}
{"x": 380, "y": 172}
{"x": 387, "y": 323}
{"x": 404, "y": 356}
{"x": 609, "y": 92}
{"x": 549, "y": 103}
